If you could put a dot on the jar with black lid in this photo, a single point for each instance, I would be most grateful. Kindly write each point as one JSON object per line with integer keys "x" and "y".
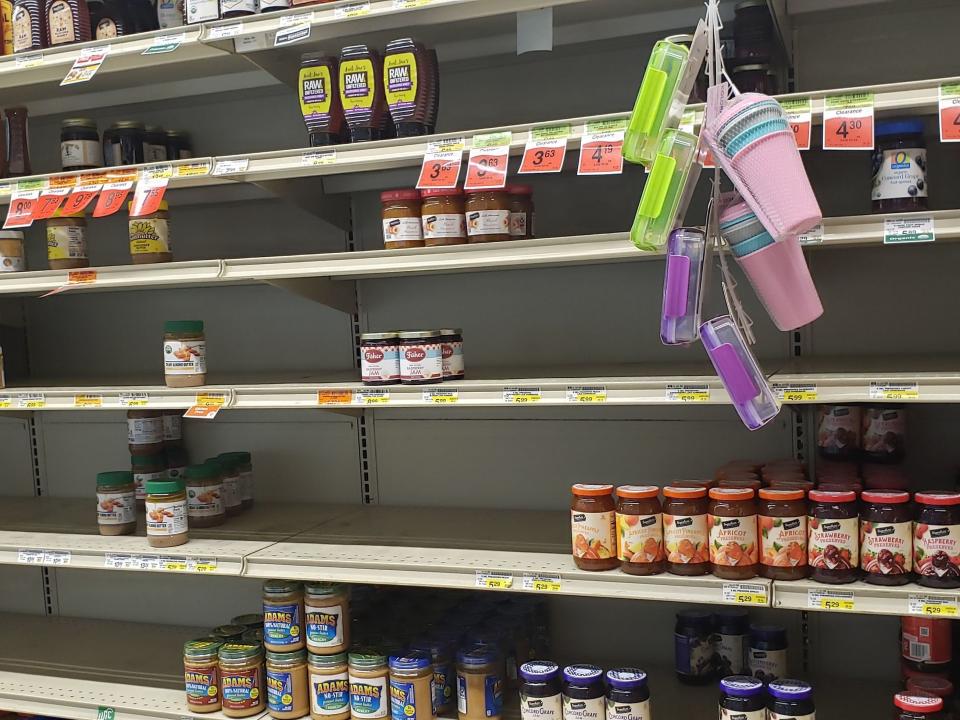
{"x": 540, "y": 691}
{"x": 451, "y": 353}
{"x": 583, "y": 693}
{"x": 123, "y": 143}
{"x": 731, "y": 642}
{"x": 79, "y": 144}
{"x": 834, "y": 536}
{"x": 899, "y": 167}
{"x": 380, "y": 358}
{"x": 420, "y": 357}
{"x": 693, "y": 647}
{"x": 741, "y": 698}
{"x": 790, "y": 699}
{"x": 154, "y": 144}
{"x": 936, "y": 542}
{"x": 178, "y": 145}
{"x": 886, "y": 532}
{"x": 628, "y": 697}
{"x": 753, "y": 31}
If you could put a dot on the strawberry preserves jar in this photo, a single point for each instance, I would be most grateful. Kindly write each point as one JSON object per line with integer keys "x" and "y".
{"x": 886, "y": 531}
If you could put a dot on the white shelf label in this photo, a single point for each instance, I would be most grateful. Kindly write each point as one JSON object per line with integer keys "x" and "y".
{"x": 887, "y": 390}
{"x": 134, "y": 399}
{"x": 902, "y": 231}
{"x": 165, "y": 44}
{"x": 225, "y": 31}
{"x": 795, "y": 393}
{"x": 441, "y": 397}
{"x": 292, "y": 35}
{"x": 231, "y": 167}
{"x": 586, "y": 394}
{"x": 813, "y": 236}
{"x": 30, "y": 557}
{"x": 353, "y": 9}
{"x": 55, "y": 557}
{"x": 494, "y": 579}
{"x": 541, "y": 582}
{"x": 371, "y": 397}
{"x": 318, "y": 157}
{"x": 22, "y": 62}
{"x": 43, "y": 557}
{"x": 746, "y": 593}
{"x": 839, "y": 600}
{"x": 688, "y": 393}
{"x": 521, "y": 395}
{"x": 404, "y": 4}
{"x": 31, "y": 401}
{"x": 173, "y": 564}
{"x": 933, "y": 606}
{"x": 121, "y": 562}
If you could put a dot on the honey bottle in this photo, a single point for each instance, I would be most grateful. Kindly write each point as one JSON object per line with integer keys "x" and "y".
{"x": 67, "y": 21}
{"x": 29, "y": 26}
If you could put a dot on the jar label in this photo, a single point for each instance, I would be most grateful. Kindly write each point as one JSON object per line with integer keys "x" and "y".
{"x": 594, "y": 534}
{"x": 247, "y": 6}
{"x": 693, "y": 654}
{"x": 379, "y": 363}
{"x": 66, "y": 242}
{"x": 170, "y": 13}
{"x": 231, "y": 491}
{"x": 400, "y": 78}
{"x": 22, "y": 29}
{"x": 886, "y": 548}
{"x": 172, "y": 427}
{"x": 726, "y": 714}
{"x": 368, "y": 697}
{"x": 926, "y": 640}
{"x": 640, "y": 538}
{"x": 324, "y": 626}
{"x": 166, "y": 518}
{"x": 176, "y": 472}
{"x": 116, "y": 508}
{"x": 60, "y": 23}
{"x": 106, "y": 29}
{"x": 140, "y": 481}
{"x": 241, "y": 688}
{"x": 685, "y": 538}
{"x": 936, "y": 550}
{"x": 899, "y": 174}
{"x": 203, "y": 686}
{"x": 731, "y": 654}
{"x": 488, "y": 222}
{"x": 279, "y": 691}
{"x": 149, "y": 235}
{"x": 202, "y": 10}
{"x": 442, "y": 684}
{"x": 883, "y": 432}
{"x": 421, "y": 362}
{"x": 771, "y": 715}
{"x": 11, "y": 263}
{"x": 838, "y": 432}
{"x": 357, "y": 84}
{"x": 451, "y": 355}
{"x": 205, "y": 501}
{"x": 401, "y": 230}
{"x": 315, "y": 83}
{"x": 403, "y": 700}
{"x": 281, "y": 623}
{"x": 767, "y": 665}
{"x": 518, "y": 224}
{"x": 444, "y": 225}
{"x": 834, "y": 543}
{"x": 246, "y": 485}
{"x": 783, "y": 541}
{"x": 274, "y": 4}
{"x": 329, "y": 694}
{"x": 76, "y": 153}
{"x": 184, "y": 357}
{"x": 628, "y": 711}
{"x": 145, "y": 431}
{"x": 590, "y": 709}
{"x": 541, "y": 708}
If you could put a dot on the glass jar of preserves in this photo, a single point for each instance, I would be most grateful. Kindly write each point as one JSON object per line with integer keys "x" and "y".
{"x": 731, "y": 641}
{"x": 834, "y": 537}
{"x": 421, "y": 360}
{"x": 116, "y": 503}
{"x": 918, "y": 705}
{"x": 205, "y": 506}
{"x": 237, "y": 8}
{"x": 287, "y": 695}
{"x": 327, "y": 613}
{"x": 767, "y": 656}
{"x": 640, "y": 530}
{"x": 166, "y": 507}
{"x": 283, "y": 616}
{"x": 451, "y": 354}
{"x": 782, "y": 519}
{"x": 884, "y": 430}
{"x": 67, "y": 241}
{"x": 241, "y": 680}
{"x": 790, "y": 699}
{"x": 226, "y": 467}
{"x": 150, "y": 236}
{"x": 521, "y": 211}
{"x": 67, "y": 22}
{"x": 243, "y": 462}
{"x": 442, "y": 215}
{"x": 402, "y": 226}
{"x": 380, "y": 358}
{"x": 540, "y": 691}
{"x": 369, "y": 678}
{"x": 178, "y": 145}
{"x": 733, "y": 533}
{"x": 593, "y": 527}
{"x": 628, "y": 697}
{"x": 145, "y": 432}
{"x": 184, "y": 353}
{"x": 741, "y": 697}
{"x": 201, "y": 674}
{"x": 80, "y": 145}
{"x": 936, "y": 542}
{"x": 838, "y": 432}
{"x": 329, "y": 687}
{"x": 886, "y": 532}
{"x": 899, "y": 167}
{"x": 145, "y": 469}
{"x": 28, "y": 25}
{"x": 938, "y": 687}
{"x": 685, "y": 534}
{"x": 11, "y": 251}
{"x": 172, "y": 428}
{"x": 411, "y": 686}
{"x": 123, "y": 143}
{"x": 444, "y": 673}
{"x": 583, "y": 693}
{"x": 154, "y": 144}
{"x": 693, "y": 647}
{"x": 488, "y": 215}
{"x": 479, "y": 683}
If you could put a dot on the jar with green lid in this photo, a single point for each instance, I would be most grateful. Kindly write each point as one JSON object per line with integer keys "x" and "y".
{"x": 232, "y": 633}
{"x": 329, "y": 687}
{"x": 145, "y": 469}
{"x": 287, "y": 695}
{"x": 166, "y": 513}
{"x": 244, "y": 463}
{"x": 201, "y": 674}
{"x": 327, "y": 612}
{"x": 116, "y": 503}
{"x": 369, "y": 681}
{"x": 79, "y": 145}
{"x": 249, "y": 620}
{"x": 184, "y": 353}
{"x": 230, "y": 477}
{"x": 253, "y": 636}
{"x": 283, "y": 616}
{"x": 241, "y": 680}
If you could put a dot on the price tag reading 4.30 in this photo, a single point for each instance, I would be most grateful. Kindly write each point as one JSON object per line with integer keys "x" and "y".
{"x": 601, "y": 148}
{"x": 441, "y": 164}
{"x": 848, "y": 122}
{"x": 487, "y": 166}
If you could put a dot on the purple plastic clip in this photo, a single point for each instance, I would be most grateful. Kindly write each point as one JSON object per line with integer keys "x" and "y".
{"x": 681, "y": 286}
{"x": 739, "y": 372}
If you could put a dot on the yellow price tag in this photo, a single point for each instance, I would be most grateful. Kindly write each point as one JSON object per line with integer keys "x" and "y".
{"x": 174, "y": 565}
{"x": 5, "y": 401}
{"x": 494, "y": 580}
{"x": 205, "y": 567}
{"x": 938, "y": 610}
{"x": 750, "y": 599}
{"x": 193, "y": 169}
{"x": 371, "y": 397}
{"x": 441, "y": 397}
{"x": 88, "y": 401}
{"x": 830, "y": 603}
{"x": 799, "y": 396}
{"x": 546, "y": 586}
{"x": 519, "y": 395}
{"x": 211, "y": 399}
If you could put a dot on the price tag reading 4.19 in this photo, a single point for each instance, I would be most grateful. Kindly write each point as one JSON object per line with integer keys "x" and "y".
{"x": 848, "y": 122}
{"x": 487, "y": 166}
{"x": 546, "y": 150}
{"x": 441, "y": 164}
{"x": 601, "y": 148}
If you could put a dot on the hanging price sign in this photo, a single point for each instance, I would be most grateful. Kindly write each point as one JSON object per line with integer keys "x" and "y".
{"x": 112, "y": 197}
{"x": 50, "y": 201}
{"x": 546, "y": 150}
{"x": 86, "y": 65}
{"x": 441, "y": 164}
{"x": 20, "y": 213}
{"x": 950, "y": 113}
{"x": 487, "y": 166}
{"x": 86, "y": 190}
{"x": 150, "y": 190}
{"x": 848, "y": 122}
{"x": 800, "y": 117}
{"x": 601, "y": 148}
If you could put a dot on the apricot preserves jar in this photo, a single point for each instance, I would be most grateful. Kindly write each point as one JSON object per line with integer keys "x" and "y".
{"x": 936, "y": 541}
{"x": 488, "y": 216}
{"x": 833, "y": 537}
{"x": 782, "y": 519}
{"x": 733, "y": 533}
{"x": 592, "y": 522}
{"x": 886, "y": 538}
{"x": 401, "y": 219}
{"x": 685, "y": 534}
{"x": 640, "y": 530}
{"x": 443, "y": 217}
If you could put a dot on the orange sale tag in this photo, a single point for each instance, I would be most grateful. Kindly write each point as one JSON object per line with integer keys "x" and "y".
{"x": 546, "y": 150}
{"x": 147, "y": 201}
{"x": 800, "y": 117}
{"x": 601, "y": 148}
{"x": 112, "y": 197}
{"x": 441, "y": 164}
{"x": 848, "y": 122}
{"x": 203, "y": 412}
{"x": 49, "y": 202}
{"x": 334, "y": 397}
{"x": 22, "y": 204}
{"x": 78, "y": 200}
{"x": 81, "y": 277}
{"x": 487, "y": 166}
{"x": 950, "y": 113}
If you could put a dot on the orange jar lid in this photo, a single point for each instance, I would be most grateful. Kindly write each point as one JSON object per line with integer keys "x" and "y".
{"x": 729, "y": 493}
{"x": 781, "y": 494}
{"x": 685, "y": 493}
{"x": 638, "y": 492}
{"x": 584, "y": 490}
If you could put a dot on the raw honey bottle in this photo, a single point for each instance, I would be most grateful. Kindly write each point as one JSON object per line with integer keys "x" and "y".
{"x": 68, "y": 21}
{"x": 29, "y": 26}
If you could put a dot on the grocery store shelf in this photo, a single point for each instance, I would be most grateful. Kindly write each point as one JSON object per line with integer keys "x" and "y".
{"x": 860, "y": 597}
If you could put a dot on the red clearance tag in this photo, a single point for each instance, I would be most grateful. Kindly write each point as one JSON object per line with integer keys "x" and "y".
{"x": 546, "y": 150}
{"x": 112, "y": 197}
{"x": 50, "y": 201}
{"x": 848, "y": 122}
{"x": 203, "y": 412}
{"x": 950, "y": 113}
{"x": 487, "y": 166}
{"x": 79, "y": 199}
{"x": 81, "y": 277}
{"x": 22, "y": 204}
{"x": 601, "y": 148}
{"x": 441, "y": 164}
{"x": 150, "y": 190}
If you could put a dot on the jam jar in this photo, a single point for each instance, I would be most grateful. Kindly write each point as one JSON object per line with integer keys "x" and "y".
{"x": 79, "y": 144}
{"x": 640, "y": 530}
{"x": 741, "y": 698}
{"x": 401, "y": 219}
{"x": 883, "y": 432}
{"x": 488, "y": 216}
{"x": 685, "y": 534}
{"x": 380, "y": 358}
{"x": 421, "y": 361}
{"x": 521, "y": 211}
{"x": 583, "y": 695}
{"x": 628, "y": 697}
{"x": 936, "y": 540}
{"x": 451, "y": 353}
{"x": 838, "y": 432}
{"x": 731, "y": 641}
{"x": 899, "y": 167}
{"x": 767, "y": 654}
{"x": 886, "y": 532}
{"x": 834, "y": 535}
{"x": 123, "y": 143}
{"x": 791, "y": 699}
{"x": 782, "y": 521}
{"x": 592, "y": 524}
{"x": 733, "y": 533}
{"x": 540, "y": 691}
{"x": 443, "y": 217}
{"x": 693, "y": 647}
